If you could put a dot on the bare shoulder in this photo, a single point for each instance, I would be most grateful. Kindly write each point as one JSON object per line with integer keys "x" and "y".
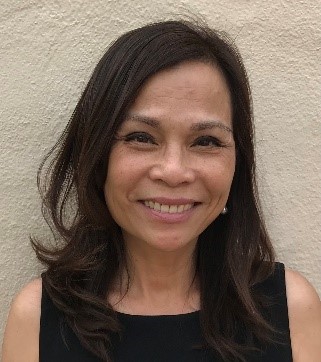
{"x": 304, "y": 308}
{"x": 301, "y": 295}
{"x": 21, "y": 338}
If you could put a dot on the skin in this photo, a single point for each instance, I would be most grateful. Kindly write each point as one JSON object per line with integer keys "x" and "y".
{"x": 167, "y": 150}
{"x": 160, "y": 253}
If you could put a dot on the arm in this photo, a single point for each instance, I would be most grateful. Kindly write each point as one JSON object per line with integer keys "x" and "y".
{"x": 21, "y": 338}
{"x": 304, "y": 309}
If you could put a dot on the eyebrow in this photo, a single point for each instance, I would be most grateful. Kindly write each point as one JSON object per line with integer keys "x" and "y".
{"x": 198, "y": 126}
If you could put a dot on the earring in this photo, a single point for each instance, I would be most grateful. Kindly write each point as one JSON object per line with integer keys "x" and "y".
{"x": 224, "y": 211}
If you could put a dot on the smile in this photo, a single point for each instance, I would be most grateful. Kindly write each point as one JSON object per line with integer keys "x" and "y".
{"x": 170, "y": 209}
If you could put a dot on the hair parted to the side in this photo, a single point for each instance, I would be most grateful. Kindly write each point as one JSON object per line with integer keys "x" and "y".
{"x": 233, "y": 253}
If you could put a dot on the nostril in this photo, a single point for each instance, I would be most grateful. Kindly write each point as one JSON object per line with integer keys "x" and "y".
{"x": 172, "y": 175}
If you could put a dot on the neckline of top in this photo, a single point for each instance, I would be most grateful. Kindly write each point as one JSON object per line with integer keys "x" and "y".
{"x": 181, "y": 315}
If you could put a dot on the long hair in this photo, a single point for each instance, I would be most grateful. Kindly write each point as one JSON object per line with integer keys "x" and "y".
{"x": 233, "y": 254}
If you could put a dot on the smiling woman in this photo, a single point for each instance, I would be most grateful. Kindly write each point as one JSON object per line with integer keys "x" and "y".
{"x": 166, "y": 257}
{"x": 167, "y": 154}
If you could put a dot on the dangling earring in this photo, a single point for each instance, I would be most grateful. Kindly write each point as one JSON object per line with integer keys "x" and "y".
{"x": 224, "y": 211}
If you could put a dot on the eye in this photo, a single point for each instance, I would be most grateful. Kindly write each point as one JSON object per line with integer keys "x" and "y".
{"x": 139, "y": 137}
{"x": 208, "y": 141}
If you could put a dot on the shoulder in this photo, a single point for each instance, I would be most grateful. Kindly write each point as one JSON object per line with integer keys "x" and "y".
{"x": 21, "y": 338}
{"x": 304, "y": 308}
{"x": 301, "y": 295}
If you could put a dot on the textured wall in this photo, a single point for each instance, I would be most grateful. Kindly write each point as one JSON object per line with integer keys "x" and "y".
{"x": 48, "y": 49}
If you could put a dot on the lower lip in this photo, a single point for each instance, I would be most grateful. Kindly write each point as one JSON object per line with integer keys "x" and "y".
{"x": 167, "y": 217}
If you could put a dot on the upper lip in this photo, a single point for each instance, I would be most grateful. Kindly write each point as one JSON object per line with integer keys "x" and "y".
{"x": 171, "y": 201}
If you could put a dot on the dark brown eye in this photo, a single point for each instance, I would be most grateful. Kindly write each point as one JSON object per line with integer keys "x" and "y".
{"x": 140, "y": 137}
{"x": 207, "y": 141}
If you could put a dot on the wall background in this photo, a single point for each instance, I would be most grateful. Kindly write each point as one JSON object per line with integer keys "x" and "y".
{"x": 48, "y": 50}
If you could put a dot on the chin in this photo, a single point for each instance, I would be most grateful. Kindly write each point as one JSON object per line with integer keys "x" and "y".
{"x": 172, "y": 244}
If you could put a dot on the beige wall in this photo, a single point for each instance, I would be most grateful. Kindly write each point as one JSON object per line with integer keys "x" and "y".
{"x": 48, "y": 49}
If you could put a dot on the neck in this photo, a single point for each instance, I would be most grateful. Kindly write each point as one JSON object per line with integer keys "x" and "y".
{"x": 159, "y": 283}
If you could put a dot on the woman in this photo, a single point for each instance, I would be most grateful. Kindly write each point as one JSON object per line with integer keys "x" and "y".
{"x": 152, "y": 191}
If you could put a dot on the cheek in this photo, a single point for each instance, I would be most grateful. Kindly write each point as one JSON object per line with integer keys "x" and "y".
{"x": 122, "y": 174}
{"x": 117, "y": 166}
{"x": 114, "y": 192}
{"x": 220, "y": 173}
{"x": 230, "y": 170}
{"x": 229, "y": 162}
{"x": 113, "y": 174}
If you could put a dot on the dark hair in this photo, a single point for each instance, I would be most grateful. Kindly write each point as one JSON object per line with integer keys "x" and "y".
{"x": 233, "y": 253}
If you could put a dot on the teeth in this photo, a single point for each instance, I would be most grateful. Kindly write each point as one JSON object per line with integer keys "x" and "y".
{"x": 187, "y": 207}
{"x": 157, "y": 206}
{"x": 171, "y": 209}
{"x": 180, "y": 208}
{"x": 165, "y": 208}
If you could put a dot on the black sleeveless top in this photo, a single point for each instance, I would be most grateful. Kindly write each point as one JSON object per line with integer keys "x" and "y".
{"x": 169, "y": 338}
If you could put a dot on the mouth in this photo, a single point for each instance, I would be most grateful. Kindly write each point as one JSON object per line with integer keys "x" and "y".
{"x": 169, "y": 209}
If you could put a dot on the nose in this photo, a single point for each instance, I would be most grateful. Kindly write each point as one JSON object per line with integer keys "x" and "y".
{"x": 173, "y": 167}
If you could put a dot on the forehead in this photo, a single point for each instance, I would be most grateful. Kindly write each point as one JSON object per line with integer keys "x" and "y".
{"x": 190, "y": 76}
{"x": 189, "y": 91}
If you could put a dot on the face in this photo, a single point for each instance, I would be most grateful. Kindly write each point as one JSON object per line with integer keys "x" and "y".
{"x": 172, "y": 164}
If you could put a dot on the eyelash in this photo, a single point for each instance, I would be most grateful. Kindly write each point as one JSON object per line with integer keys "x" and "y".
{"x": 209, "y": 139}
{"x": 135, "y": 136}
{"x": 145, "y": 138}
